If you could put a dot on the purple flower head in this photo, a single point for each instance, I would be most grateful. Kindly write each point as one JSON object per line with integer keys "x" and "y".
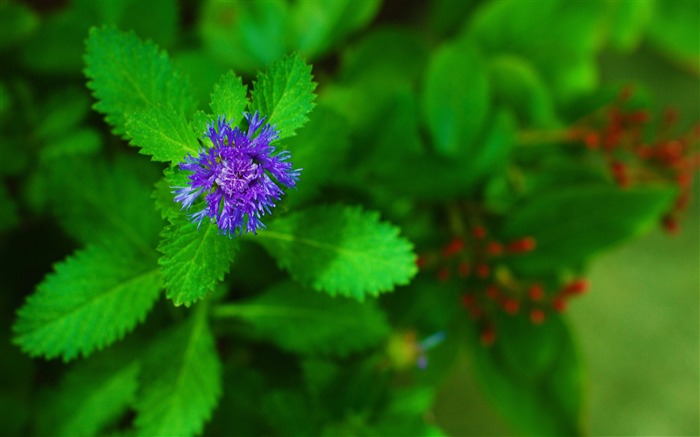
{"x": 237, "y": 176}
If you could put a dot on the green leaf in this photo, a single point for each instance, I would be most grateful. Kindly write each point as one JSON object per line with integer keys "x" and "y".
{"x": 573, "y": 223}
{"x": 285, "y": 94}
{"x": 674, "y": 30}
{"x": 100, "y": 202}
{"x": 194, "y": 260}
{"x": 84, "y": 141}
{"x": 518, "y": 85}
{"x": 318, "y": 26}
{"x": 17, "y": 22}
{"x": 162, "y": 133}
{"x": 233, "y": 30}
{"x": 303, "y": 321}
{"x": 340, "y": 250}
{"x": 627, "y": 21}
{"x": 559, "y": 37}
{"x": 127, "y": 76}
{"x": 229, "y": 97}
{"x": 91, "y": 396}
{"x": 90, "y": 301}
{"x": 533, "y": 375}
{"x": 455, "y": 97}
{"x": 181, "y": 382}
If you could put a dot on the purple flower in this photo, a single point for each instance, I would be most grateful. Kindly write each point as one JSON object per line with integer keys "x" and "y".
{"x": 237, "y": 176}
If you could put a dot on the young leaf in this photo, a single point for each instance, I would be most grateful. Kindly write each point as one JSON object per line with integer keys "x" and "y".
{"x": 161, "y": 132}
{"x": 340, "y": 250}
{"x": 90, "y": 301}
{"x": 229, "y": 97}
{"x": 181, "y": 382}
{"x": 304, "y": 321}
{"x": 533, "y": 374}
{"x": 285, "y": 94}
{"x": 127, "y": 75}
{"x": 455, "y": 97}
{"x": 571, "y": 224}
{"x": 194, "y": 260}
{"x": 92, "y": 395}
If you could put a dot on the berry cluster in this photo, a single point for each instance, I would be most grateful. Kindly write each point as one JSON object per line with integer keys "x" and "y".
{"x": 638, "y": 150}
{"x": 480, "y": 264}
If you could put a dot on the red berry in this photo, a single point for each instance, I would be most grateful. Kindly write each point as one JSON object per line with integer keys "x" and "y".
{"x": 579, "y": 286}
{"x": 463, "y": 269}
{"x": 479, "y": 232}
{"x": 537, "y": 316}
{"x": 468, "y": 300}
{"x": 524, "y": 244}
{"x": 492, "y": 292}
{"x": 453, "y": 247}
{"x": 494, "y": 248}
{"x": 483, "y": 271}
{"x": 511, "y": 306}
{"x": 559, "y": 304}
{"x": 443, "y": 275}
{"x": 536, "y": 292}
{"x": 592, "y": 140}
{"x": 488, "y": 336}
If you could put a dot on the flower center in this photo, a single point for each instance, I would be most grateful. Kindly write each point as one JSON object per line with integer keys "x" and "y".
{"x": 236, "y": 175}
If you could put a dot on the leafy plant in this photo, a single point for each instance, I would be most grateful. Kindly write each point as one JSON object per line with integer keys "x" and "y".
{"x": 333, "y": 207}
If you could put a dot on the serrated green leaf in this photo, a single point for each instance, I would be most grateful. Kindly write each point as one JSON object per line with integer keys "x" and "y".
{"x": 90, "y": 301}
{"x": 303, "y": 321}
{"x": 194, "y": 260}
{"x": 230, "y": 97}
{"x": 571, "y": 224}
{"x": 285, "y": 94}
{"x": 532, "y": 373}
{"x": 456, "y": 97}
{"x": 181, "y": 382}
{"x": 162, "y": 133}
{"x": 127, "y": 75}
{"x": 340, "y": 250}
{"x": 100, "y": 202}
{"x": 91, "y": 396}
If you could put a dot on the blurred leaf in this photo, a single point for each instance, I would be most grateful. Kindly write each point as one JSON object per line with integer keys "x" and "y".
{"x": 162, "y": 133}
{"x": 203, "y": 70}
{"x": 627, "y": 21}
{"x": 8, "y": 210}
{"x": 340, "y": 250}
{"x": 446, "y": 16}
{"x": 559, "y": 37}
{"x": 127, "y": 75}
{"x": 57, "y": 45}
{"x": 318, "y": 26}
{"x": 517, "y": 85}
{"x": 436, "y": 178}
{"x": 307, "y": 322}
{"x": 532, "y": 373}
{"x": 92, "y": 395}
{"x": 181, "y": 383}
{"x": 194, "y": 260}
{"x": 285, "y": 94}
{"x": 234, "y": 30}
{"x": 91, "y": 300}
{"x": 674, "y": 31}
{"x": 319, "y": 149}
{"x": 83, "y": 141}
{"x": 62, "y": 111}
{"x": 455, "y": 97}
{"x": 571, "y": 224}
{"x": 17, "y": 22}
{"x": 229, "y": 97}
{"x": 100, "y": 202}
